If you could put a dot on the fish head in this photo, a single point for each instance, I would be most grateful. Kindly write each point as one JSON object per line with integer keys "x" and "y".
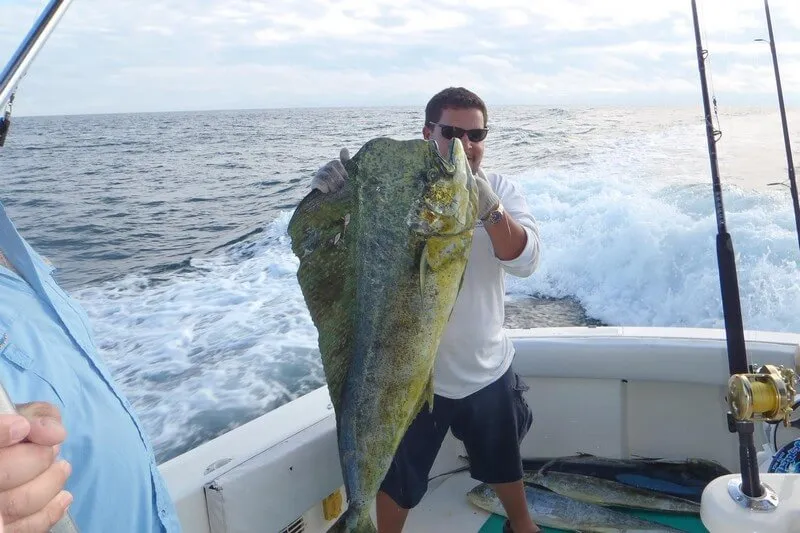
{"x": 449, "y": 201}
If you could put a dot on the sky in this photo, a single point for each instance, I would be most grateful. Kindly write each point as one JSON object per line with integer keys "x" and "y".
{"x": 110, "y": 56}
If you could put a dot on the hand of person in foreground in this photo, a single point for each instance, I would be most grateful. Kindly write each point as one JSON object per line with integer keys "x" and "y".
{"x": 32, "y": 495}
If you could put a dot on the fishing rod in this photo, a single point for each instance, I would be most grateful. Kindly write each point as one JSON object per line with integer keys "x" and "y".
{"x": 729, "y": 286}
{"x": 10, "y": 77}
{"x": 789, "y": 162}
{"x": 17, "y": 67}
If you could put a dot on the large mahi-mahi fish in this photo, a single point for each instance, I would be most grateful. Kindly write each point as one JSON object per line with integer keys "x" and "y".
{"x": 381, "y": 264}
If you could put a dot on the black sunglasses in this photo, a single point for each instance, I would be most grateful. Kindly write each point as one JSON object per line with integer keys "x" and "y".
{"x": 448, "y": 132}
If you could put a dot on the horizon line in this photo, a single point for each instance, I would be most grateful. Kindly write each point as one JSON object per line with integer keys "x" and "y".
{"x": 399, "y": 106}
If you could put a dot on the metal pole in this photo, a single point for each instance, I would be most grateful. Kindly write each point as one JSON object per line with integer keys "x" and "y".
{"x": 33, "y": 42}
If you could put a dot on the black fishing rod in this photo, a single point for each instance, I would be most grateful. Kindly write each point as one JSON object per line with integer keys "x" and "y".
{"x": 789, "y": 163}
{"x": 729, "y": 286}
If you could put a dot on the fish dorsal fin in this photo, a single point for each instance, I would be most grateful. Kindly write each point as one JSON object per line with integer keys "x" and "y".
{"x": 320, "y": 230}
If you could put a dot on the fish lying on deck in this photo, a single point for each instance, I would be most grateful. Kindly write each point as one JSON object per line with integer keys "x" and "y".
{"x": 550, "y": 509}
{"x": 686, "y": 478}
{"x": 604, "y": 492}
{"x": 381, "y": 264}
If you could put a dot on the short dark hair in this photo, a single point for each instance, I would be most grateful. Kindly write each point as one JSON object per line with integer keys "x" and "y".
{"x": 454, "y": 98}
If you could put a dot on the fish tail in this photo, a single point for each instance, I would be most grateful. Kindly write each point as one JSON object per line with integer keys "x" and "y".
{"x": 365, "y": 524}
{"x": 353, "y": 521}
{"x": 341, "y": 525}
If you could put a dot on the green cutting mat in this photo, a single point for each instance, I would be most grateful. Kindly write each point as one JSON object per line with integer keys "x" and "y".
{"x": 689, "y": 524}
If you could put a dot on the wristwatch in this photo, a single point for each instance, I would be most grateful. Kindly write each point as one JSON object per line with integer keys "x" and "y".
{"x": 494, "y": 216}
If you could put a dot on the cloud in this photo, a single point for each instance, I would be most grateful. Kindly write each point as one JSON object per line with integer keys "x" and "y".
{"x": 487, "y": 61}
{"x": 660, "y": 50}
{"x": 378, "y": 23}
{"x": 129, "y": 55}
{"x": 743, "y": 78}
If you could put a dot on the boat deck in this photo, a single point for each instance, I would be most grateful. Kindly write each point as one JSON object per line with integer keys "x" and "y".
{"x": 446, "y": 508}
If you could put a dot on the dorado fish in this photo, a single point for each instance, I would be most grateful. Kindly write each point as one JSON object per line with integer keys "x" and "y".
{"x": 681, "y": 478}
{"x": 381, "y": 264}
{"x": 554, "y": 510}
{"x": 604, "y": 492}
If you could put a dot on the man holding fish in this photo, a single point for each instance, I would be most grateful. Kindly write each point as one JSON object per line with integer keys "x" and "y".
{"x": 478, "y": 396}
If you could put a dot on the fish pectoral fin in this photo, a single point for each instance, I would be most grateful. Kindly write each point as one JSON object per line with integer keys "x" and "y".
{"x": 460, "y": 285}
{"x": 423, "y": 269}
{"x": 439, "y": 253}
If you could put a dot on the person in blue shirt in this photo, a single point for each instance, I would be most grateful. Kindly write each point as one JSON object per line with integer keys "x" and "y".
{"x": 79, "y": 442}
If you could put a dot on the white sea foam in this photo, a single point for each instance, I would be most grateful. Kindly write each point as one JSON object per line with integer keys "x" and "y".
{"x": 213, "y": 347}
{"x": 646, "y": 256}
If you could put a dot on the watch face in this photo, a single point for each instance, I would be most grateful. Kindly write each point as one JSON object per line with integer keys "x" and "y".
{"x": 494, "y": 217}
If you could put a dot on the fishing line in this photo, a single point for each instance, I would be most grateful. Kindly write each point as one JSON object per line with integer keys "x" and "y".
{"x": 455, "y": 470}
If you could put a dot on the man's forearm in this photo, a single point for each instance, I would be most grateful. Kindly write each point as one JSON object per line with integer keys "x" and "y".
{"x": 508, "y": 237}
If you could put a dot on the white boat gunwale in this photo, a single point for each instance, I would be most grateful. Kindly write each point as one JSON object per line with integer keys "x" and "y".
{"x": 631, "y": 375}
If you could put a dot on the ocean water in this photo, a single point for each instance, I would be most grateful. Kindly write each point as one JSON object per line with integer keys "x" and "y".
{"x": 170, "y": 228}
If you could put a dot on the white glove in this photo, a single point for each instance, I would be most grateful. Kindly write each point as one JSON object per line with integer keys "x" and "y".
{"x": 488, "y": 201}
{"x": 330, "y": 178}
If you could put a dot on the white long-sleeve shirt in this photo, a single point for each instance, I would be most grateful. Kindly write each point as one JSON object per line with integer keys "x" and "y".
{"x": 474, "y": 350}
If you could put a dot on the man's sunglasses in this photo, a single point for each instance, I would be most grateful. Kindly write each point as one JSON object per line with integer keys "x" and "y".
{"x": 448, "y": 132}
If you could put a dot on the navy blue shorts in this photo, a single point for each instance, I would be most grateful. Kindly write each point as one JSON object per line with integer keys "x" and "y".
{"x": 490, "y": 422}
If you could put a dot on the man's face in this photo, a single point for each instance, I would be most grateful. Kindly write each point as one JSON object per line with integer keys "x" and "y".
{"x": 466, "y": 119}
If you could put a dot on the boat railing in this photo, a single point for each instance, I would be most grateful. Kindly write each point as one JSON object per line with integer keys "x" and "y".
{"x": 19, "y": 63}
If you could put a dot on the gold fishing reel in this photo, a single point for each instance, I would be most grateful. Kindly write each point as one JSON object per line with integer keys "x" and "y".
{"x": 767, "y": 394}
